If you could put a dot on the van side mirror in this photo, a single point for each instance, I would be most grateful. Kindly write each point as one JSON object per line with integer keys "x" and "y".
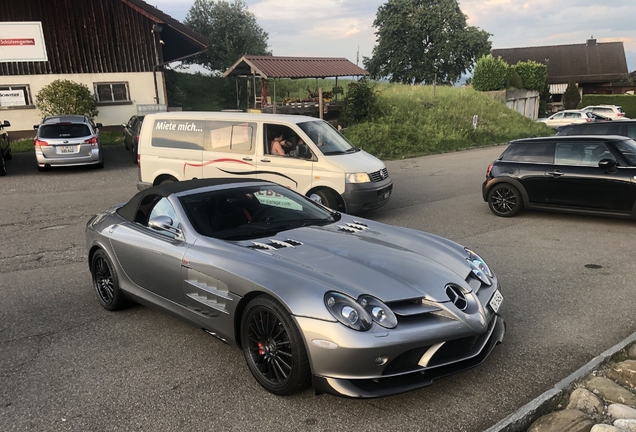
{"x": 99, "y": 125}
{"x": 35, "y": 127}
{"x": 6, "y": 124}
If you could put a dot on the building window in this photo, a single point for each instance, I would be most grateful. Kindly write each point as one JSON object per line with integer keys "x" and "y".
{"x": 112, "y": 92}
{"x": 15, "y": 96}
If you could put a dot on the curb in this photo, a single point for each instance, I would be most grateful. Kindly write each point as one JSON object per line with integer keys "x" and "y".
{"x": 527, "y": 414}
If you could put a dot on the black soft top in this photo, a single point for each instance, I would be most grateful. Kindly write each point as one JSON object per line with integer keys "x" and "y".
{"x": 129, "y": 210}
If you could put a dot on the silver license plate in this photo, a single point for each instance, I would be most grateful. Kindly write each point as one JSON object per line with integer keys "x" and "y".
{"x": 495, "y": 301}
{"x": 67, "y": 149}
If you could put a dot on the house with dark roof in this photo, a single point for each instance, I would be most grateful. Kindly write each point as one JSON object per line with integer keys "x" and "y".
{"x": 597, "y": 67}
{"x": 115, "y": 47}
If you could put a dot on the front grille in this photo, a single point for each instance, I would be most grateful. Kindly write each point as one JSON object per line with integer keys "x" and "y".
{"x": 379, "y": 175}
{"x": 405, "y": 362}
{"x": 454, "y": 350}
{"x": 385, "y": 190}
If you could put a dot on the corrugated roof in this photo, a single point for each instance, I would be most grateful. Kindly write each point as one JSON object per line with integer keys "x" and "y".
{"x": 558, "y": 88}
{"x": 581, "y": 63}
{"x": 293, "y": 67}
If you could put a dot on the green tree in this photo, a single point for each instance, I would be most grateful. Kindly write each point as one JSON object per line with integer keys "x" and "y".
{"x": 571, "y": 97}
{"x": 66, "y": 97}
{"x": 533, "y": 74}
{"x": 232, "y": 30}
{"x": 420, "y": 41}
{"x": 490, "y": 74}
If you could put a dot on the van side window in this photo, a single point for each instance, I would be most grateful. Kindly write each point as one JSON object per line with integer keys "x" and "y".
{"x": 287, "y": 140}
{"x": 231, "y": 137}
{"x": 182, "y": 134}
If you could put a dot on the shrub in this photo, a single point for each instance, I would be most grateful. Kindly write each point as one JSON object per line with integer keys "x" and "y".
{"x": 361, "y": 103}
{"x": 513, "y": 80}
{"x": 490, "y": 74}
{"x": 571, "y": 97}
{"x": 533, "y": 74}
{"x": 66, "y": 97}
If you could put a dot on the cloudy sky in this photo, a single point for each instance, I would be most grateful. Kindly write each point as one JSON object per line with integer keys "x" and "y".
{"x": 336, "y": 28}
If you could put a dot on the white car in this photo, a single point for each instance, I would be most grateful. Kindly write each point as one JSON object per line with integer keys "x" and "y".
{"x": 567, "y": 117}
{"x": 614, "y": 112}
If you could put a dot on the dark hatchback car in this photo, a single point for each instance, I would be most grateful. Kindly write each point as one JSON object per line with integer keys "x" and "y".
{"x": 619, "y": 127}
{"x": 131, "y": 134}
{"x": 582, "y": 174}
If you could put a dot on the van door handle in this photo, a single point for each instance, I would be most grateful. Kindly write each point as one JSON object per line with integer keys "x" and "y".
{"x": 556, "y": 173}
{"x": 249, "y": 159}
{"x": 265, "y": 160}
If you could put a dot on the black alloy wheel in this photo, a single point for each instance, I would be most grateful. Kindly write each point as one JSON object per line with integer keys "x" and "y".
{"x": 3, "y": 165}
{"x": 106, "y": 282}
{"x": 505, "y": 200}
{"x": 273, "y": 347}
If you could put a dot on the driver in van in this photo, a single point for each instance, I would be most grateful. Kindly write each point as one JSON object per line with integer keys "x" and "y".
{"x": 278, "y": 146}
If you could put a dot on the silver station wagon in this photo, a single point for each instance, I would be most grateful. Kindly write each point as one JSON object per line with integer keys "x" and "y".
{"x": 67, "y": 140}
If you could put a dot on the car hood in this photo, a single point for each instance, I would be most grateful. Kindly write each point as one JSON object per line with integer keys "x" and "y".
{"x": 359, "y": 161}
{"x": 387, "y": 262}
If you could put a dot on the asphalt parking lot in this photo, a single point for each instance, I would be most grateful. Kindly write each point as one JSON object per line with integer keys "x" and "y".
{"x": 67, "y": 364}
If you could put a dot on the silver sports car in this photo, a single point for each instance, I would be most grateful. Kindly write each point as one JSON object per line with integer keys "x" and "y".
{"x": 353, "y": 307}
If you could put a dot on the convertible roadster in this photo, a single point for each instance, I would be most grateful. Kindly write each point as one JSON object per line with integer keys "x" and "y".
{"x": 353, "y": 307}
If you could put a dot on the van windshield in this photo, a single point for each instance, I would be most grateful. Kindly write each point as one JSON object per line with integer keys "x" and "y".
{"x": 328, "y": 140}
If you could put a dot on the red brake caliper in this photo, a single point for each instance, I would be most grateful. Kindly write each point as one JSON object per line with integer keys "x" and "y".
{"x": 261, "y": 351}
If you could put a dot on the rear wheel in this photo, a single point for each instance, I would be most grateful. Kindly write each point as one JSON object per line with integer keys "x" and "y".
{"x": 106, "y": 282}
{"x": 505, "y": 200}
{"x": 167, "y": 180}
{"x": 273, "y": 347}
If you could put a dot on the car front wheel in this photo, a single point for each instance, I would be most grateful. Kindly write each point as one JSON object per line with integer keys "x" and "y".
{"x": 273, "y": 347}
{"x": 505, "y": 200}
{"x": 106, "y": 282}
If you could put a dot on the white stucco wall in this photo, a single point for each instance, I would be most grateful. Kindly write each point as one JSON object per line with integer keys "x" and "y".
{"x": 141, "y": 86}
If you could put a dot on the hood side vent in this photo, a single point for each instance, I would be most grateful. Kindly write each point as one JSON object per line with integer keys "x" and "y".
{"x": 262, "y": 246}
{"x": 293, "y": 242}
{"x": 275, "y": 244}
{"x": 360, "y": 224}
{"x": 353, "y": 227}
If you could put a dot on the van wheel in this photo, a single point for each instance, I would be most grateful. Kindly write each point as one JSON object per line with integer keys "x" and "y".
{"x": 327, "y": 198}
{"x": 168, "y": 180}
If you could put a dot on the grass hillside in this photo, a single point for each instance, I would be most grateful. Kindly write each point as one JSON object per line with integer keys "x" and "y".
{"x": 416, "y": 122}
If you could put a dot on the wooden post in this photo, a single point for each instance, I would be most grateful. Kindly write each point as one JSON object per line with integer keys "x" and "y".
{"x": 274, "y": 98}
{"x": 320, "y": 101}
{"x": 237, "y": 94}
{"x": 336, "y": 86}
{"x": 254, "y": 76}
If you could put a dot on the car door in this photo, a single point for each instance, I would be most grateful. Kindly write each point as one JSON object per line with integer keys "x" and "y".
{"x": 576, "y": 180}
{"x": 129, "y": 129}
{"x": 295, "y": 169}
{"x": 527, "y": 163}
{"x": 556, "y": 120}
{"x": 150, "y": 258}
{"x": 229, "y": 149}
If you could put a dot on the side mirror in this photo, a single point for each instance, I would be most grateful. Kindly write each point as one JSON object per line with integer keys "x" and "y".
{"x": 6, "y": 124}
{"x": 98, "y": 125}
{"x": 35, "y": 127}
{"x": 164, "y": 223}
{"x": 124, "y": 125}
{"x": 608, "y": 164}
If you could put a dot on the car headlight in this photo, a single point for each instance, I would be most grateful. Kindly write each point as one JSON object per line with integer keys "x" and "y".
{"x": 357, "y": 178}
{"x": 479, "y": 267}
{"x": 380, "y": 313}
{"x": 348, "y": 311}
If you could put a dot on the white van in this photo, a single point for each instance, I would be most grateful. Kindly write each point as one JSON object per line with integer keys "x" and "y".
{"x": 318, "y": 160}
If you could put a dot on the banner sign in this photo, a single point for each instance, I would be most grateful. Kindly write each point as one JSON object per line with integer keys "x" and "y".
{"x": 22, "y": 42}
{"x": 12, "y": 98}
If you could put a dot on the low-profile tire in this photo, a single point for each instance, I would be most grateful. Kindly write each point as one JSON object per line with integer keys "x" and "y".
{"x": 273, "y": 347}
{"x": 327, "y": 198}
{"x": 505, "y": 200}
{"x": 106, "y": 282}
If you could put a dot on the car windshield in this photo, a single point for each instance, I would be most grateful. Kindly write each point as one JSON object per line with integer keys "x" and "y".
{"x": 67, "y": 130}
{"x": 628, "y": 148}
{"x": 327, "y": 138}
{"x": 252, "y": 212}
